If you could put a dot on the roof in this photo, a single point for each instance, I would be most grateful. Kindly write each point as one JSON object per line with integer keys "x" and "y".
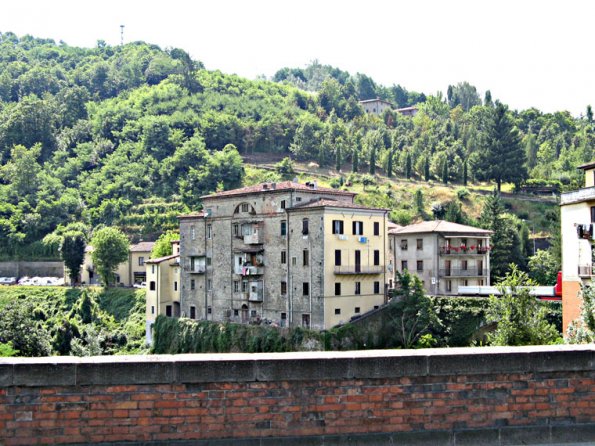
{"x": 326, "y": 202}
{"x": 366, "y": 101}
{"x": 393, "y": 228}
{"x": 199, "y": 214}
{"x": 405, "y": 109}
{"x": 162, "y": 259}
{"x": 142, "y": 247}
{"x": 281, "y": 186}
{"x": 587, "y": 166}
{"x": 442, "y": 227}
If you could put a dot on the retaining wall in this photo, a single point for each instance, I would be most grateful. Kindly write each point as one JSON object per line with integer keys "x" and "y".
{"x": 42, "y": 269}
{"x": 488, "y": 396}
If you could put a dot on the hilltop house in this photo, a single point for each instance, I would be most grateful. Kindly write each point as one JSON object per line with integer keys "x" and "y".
{"x": 376, "y": 106}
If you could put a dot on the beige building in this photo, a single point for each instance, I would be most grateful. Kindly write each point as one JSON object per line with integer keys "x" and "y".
{"x": 128, "y": 273}
{"x": 577, "y": 219}
{"x": 284, "y": 253}
{"x": 408, "y": 111}
{"x": 442, "y": 254}
{"x": 376, "y": 106}
{"x": 163, "y": 289}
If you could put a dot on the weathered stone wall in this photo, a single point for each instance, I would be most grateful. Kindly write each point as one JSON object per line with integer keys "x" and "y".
{"x": 42, "y": 269}
{"x": 493, "y": 396}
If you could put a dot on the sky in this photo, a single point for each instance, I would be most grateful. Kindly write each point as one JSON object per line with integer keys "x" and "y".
{"x": 528, "y": 53}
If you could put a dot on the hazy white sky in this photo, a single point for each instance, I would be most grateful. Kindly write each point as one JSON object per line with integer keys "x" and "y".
{"x": 527, "y": 52}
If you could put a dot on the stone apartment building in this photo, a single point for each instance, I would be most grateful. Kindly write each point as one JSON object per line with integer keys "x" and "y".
{"x": 577, "y": 219}
{"x": 442, "y": 254}
{"x": 284, "y": 253}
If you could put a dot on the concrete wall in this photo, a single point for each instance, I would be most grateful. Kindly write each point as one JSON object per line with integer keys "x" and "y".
{"x": 42, "y": 269}
{"x": 488, "y": 396}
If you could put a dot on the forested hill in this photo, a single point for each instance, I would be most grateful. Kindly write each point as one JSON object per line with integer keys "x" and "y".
{"x": 132, "y": 135}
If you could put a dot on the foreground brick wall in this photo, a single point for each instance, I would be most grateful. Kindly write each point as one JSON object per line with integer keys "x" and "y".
{"x": 528, "y": 395}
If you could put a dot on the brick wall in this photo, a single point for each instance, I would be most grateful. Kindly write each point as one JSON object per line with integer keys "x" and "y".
{"x": 536, "y": 395}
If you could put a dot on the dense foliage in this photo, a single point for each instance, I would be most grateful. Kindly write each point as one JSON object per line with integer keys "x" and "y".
{"x": 40, "y": 321}
{"x": 133, "y": 135}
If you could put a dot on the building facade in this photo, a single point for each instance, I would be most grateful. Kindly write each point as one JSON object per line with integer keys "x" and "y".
{"x": 375, "y": 106}
{"x": 131, "y": 272}
{"x": 443, "y": 255}
{"x": 284, "y": 253}
{"x": 577, "y": 219}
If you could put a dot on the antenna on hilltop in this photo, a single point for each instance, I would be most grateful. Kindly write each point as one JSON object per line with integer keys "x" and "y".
{"x": 121, "y": 35}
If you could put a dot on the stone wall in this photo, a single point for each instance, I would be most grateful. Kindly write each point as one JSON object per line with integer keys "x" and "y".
{"x": 20, "y": 269}
{"x": 490, "y": 396}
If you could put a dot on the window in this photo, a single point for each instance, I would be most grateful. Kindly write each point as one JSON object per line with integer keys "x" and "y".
{"x": 404, "y": 245}
{"x": 209, "y": 227}
{"x": 358, "y": 288}
{"x": 298, "y": 199}
{"x": 376, "y": 228}
{"x": 337, "y": 257}
{"x": 283, "y": 287}
{"x": 448, "y": 285}
{"x": 209, "y": 261}
{"x": 306, "y": 257}
{"x": 376, "y": 287}
{"x": 152, "y": 269}
{"x": 305, "y": 226}
{"x": 252, "y": 313}
{"x": 283, "y": 257}
{"x": 152, "y": 285}
{"x": 376, "y": 257}
{"x": 152, "y": 309}
{"x": 337, "y": 311}
{"x": 209, "y": 284}
{"x": 592, "y": 214}
{"x": 236, "y": 286}
{"x": 404, "y": 265}
{"x": 282, "y": 204}
{"x": 293, "y": 261}
{"x": 306, "y": 320}
{"x": 236, "y": 312}
{"x": 141, "y": 261}
{"x": 420, "y": 244}
{"x": 465, "y": 282}
{"x": 175, "y": 286}
{"x": 244, "y": 286}
{"x": 168, "y": 310}
{"x": 236, "y": 230}
{"x": 245, "y": 207}
{"x": 464, "y": 241}
{"x": 192, "y": 312}
{"x": 192, "y": 233}
{"x": 306, "y": 288}
{"x": 356, "y": 310}
{"x": 209, "y": 310}
{"x": 337, "y": 289}
{"x": 192, "y": 284}
{"x": 357, "y": 227}
{"x": 337, "y": 226}
{"x": 464, "y": 265}
{"x": 283, "y": 228}
{"x": 420, "y": 265}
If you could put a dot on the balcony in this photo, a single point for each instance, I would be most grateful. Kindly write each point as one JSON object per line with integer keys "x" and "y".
{"x": 577, "y": 196}
{"x": 359, "y": 269}
{"x": 198, "y": 269}
{"x": 458, "y": 251}
{"x": 255, "y": 296}
{"x": 458, "y": 272}
{"x": 254, "y": 238}
{"x": 249, "y": 270}
{"x": 585, "y": 270}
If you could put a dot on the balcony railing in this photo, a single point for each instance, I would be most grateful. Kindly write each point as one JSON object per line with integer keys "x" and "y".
{"x": 456, "y": 250}
{"x": 253, "y": 239}
{"x": 585, "y": 194}
{"x": 249, "y": 270}
{"x": 198, "y": 269}
{"x": 359, "y": 269}
{"x": 458, "y": 272}
{"x": 585, "y": 270}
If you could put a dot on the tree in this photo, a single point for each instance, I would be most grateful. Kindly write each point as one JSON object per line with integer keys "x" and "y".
{"x": 543, "y": 268}
{"x": 445, "y": 172}
{"x": 163, "y": 245}
{"x": 110, "y": 248}
{"x": 20, "y": 328}
{"x": 427, "y": 175}
{"x": 410, "y": 312}
{"x": 589, "y": 114}
{"x": 72, "y": 251}
{"x": 408, "y": 166}
{"x": 338, "y": 154}
{"x": 389, "y": 164}
{"x": 521, "y": 318}
{"x": 463, "y": 94}
{"x": 504, "y": 159}
{"x": 582, "y": 330}
{"x": 419, "y": 201}
{"x": 373, "y": 161}
{"x": 465, "y": 173}
{"x": 355, "y": 160}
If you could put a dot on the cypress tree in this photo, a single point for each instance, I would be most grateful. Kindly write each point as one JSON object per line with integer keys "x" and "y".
{"x": 373, "y": 161}
{"x": 338, "y": 155}
{"x": 389, "y": 164}
{"x": 355, "y": 160}
{"x": 427, "y": 169}
{"x": 408, "y": 166}
{"x": 445, "y": 172}
{"x": 465, "y": 173}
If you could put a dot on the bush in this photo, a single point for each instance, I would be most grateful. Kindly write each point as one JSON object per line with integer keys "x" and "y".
{"x": 462, "y": 193}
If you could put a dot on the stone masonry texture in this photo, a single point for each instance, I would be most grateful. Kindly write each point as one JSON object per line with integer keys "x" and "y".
{"x": 528, "y": 395}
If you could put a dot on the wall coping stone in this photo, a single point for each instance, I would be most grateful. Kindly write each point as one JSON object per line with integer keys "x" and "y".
{"x": 250, "y": 367}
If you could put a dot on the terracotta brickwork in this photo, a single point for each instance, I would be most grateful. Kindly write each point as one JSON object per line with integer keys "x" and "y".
{"x": 199, "y": 397}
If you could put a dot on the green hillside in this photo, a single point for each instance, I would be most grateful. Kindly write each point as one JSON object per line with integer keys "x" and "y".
{"x": 133, "y": 135}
